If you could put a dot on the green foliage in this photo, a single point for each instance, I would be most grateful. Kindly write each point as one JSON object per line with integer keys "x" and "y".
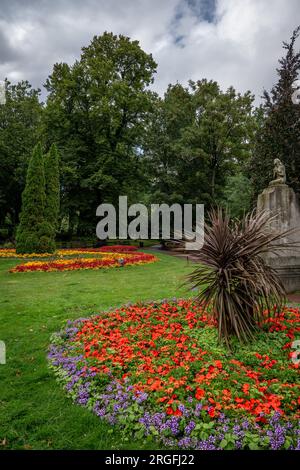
{"x": 96, "y": 112}
{"x": 237, "y": 195}
{"x": 34, "y": 234}
{"x": 46, "y": 234}
{"x": 232, "y": 276}
{"x": 197, "y": 137}
{"x": 52, "y": 187}
{"x": 279, "y": 125}
{"x": 116, "y": 137}
{"x": 20, "y": 118}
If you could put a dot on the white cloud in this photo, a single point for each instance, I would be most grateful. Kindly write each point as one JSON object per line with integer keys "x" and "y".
{"x": 240, "y": 47}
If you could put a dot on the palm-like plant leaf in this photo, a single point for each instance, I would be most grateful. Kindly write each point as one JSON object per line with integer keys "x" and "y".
{"x": 233, "y": 278}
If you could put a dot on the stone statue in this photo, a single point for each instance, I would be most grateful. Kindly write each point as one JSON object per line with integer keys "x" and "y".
{"x": 281, "y": 201}
{"x": 279, "y": 173}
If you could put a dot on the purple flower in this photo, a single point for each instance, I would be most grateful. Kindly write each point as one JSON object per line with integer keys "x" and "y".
{"x": 190, "y": 427}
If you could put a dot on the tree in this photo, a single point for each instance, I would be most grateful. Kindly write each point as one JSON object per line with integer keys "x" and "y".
{"x": 52, "y": 188}
{"x": 34, "y": 234}
{"x": 199, "y": 137}
{"x": 20, "y": 120}
{"x": 278, "y": 134}
{"x": 170, "y": 176}
{"x": 96, "y": 113}
{"x": 222, "y": 130}
{"x": 237, "y": 195}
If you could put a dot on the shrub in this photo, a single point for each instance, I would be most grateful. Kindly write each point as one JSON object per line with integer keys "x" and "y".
{"x": 233, "y": 277}
{"x": 8, "y": 245}
{"x": 52, "y": 188}
{"x": 33, "y": 234}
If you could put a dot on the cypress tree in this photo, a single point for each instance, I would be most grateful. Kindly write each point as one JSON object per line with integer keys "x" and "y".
{"x": 278, "y": 134}
{"x": 34, "y": 234}
{"x": 52, "y": 188}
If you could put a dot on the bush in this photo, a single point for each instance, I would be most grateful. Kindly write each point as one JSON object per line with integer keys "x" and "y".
{"x": 52, "y": 188}
{"x": 4, "y": 233}
{"x": 232, "y": 277}
{"x": 33, "y": 234}
{"x": 8, "y": 245}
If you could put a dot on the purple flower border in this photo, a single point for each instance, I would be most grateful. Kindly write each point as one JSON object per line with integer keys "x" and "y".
{"x": 133, "y": 412}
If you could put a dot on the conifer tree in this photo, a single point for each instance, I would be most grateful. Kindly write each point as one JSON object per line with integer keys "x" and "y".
{"x": 278, "y": 134}
{"x": 52, "y": 187}
{"x": 34, "y": 234}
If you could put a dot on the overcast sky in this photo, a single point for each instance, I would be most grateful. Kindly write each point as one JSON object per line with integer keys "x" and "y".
{"x": 236, "y": 42}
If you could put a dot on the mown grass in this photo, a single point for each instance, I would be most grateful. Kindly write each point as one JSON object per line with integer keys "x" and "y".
{"x": 34, "y": 411}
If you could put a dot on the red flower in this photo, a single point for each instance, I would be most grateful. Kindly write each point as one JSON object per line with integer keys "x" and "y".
{"x": 199, "y": 393}
{"x": 176, "y": 412}
{"x": 151, "y": 347}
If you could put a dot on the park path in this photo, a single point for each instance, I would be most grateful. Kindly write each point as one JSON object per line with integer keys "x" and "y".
{"x": 189, "y": 258}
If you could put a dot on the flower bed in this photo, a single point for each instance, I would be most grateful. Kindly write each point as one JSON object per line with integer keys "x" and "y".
{"x": 157, "y": 369}
{"x": 108, "y": 260}
{"x": 11, "y": 252}
{"x": 112, "y": 249}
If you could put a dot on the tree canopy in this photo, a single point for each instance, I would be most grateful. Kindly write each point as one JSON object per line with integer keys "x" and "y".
{"x": 96, "y": 112}
{"x": 20, "y": 122}
{"x": 116, "y": 136}
{"x": 197, "y": 137}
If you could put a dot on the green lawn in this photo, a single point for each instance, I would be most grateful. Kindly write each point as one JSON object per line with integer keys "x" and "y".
{"x": 34, "y": 410}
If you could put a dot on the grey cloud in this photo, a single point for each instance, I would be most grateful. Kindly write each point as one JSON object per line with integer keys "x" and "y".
{"x": 203, "y": 9}
{"x": 7, "y": 52}
{"x": 236, "y": 42}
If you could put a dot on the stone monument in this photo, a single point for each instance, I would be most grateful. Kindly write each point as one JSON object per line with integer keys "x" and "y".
{"x": 281, "y": 201}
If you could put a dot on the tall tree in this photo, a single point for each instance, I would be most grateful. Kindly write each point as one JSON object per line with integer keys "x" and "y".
{"x": 169, "y": 178}
{"x": 278, "y": 134}
{"x": 20, "y": 120}
{"x": 199, "y": 137}
{"x": 52, "y": 188}
{"x": 222, "y": 130}
{"x": 96, "y": 113}
{"x": 34, "y": 234}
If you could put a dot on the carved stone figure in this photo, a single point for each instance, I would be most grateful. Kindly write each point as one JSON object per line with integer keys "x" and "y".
{"x": 279, "y": 173}
{"x": 281, "y": 201}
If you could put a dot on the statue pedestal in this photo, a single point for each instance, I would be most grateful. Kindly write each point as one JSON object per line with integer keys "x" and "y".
{"x": 280, "y": 200}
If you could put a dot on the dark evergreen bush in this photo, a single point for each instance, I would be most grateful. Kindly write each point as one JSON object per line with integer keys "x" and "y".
{"x": 52, "y": 188}
{"x": 34, "y": 235}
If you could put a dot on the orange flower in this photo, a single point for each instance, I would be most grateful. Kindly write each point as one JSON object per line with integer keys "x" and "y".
{"x": 110, "y": 260}
{"x": 176, "y": 412}
{"x": 199, "y": 393}
{"x": 151, "y": 347}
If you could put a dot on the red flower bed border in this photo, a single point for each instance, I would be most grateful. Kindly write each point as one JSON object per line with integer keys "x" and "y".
{"x": 86, "y": 263}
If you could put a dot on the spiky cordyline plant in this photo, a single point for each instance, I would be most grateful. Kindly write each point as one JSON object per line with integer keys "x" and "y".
{"x": 232, "y": 277}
